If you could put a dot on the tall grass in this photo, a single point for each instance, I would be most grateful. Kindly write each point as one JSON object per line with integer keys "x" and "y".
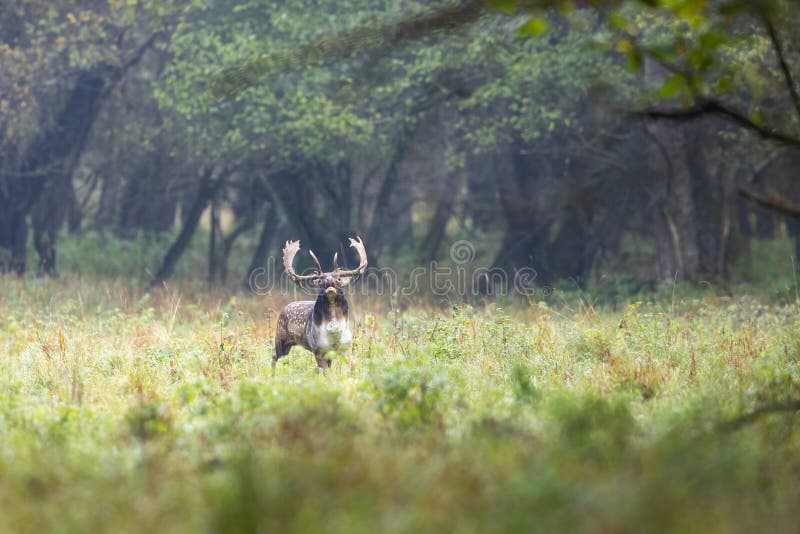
{"x": 128, "y": 412}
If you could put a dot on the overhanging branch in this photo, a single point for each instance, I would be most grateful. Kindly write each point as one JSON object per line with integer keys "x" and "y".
{"x": 787, "y": 72}
{"x": 772, "y": 202}
{"x": 714, "y": 108}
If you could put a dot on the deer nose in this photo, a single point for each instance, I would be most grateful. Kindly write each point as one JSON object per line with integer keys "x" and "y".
{"x": 330, "y": 289}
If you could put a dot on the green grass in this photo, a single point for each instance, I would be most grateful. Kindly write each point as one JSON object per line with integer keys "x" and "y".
{"x": 123, "y": 412}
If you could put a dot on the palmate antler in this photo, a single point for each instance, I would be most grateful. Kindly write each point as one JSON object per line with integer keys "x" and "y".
{"x": 362, "y": 255}
{"x": 289, "y": 252}
{"x": 292, "y": 247}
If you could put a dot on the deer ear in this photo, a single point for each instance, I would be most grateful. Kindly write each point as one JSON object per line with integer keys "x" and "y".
{"x": 344, "y": 281}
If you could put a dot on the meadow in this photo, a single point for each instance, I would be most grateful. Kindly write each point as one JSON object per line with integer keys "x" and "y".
{"x": 126, "y": 411}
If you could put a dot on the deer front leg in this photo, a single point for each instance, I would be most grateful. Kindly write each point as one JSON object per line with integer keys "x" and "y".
{"x": 350, "y": 360}
{"x": 323, "y": 362}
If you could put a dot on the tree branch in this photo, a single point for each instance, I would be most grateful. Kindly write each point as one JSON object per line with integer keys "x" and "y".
{"x": 712, "y": 107}
{"x": 348, "y": 44}
{"x": 787, "y": 73}
{"x": 773, "y": 202}
{"x": 136, "y": 56}
{"x": 778, "y": 407}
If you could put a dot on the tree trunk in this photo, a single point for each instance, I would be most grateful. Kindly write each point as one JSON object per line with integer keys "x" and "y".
{"x": 227, "y": 246}
{"x": 712, "y": 195}
{"x": 148, "y": 201}
{"x": 265, "y": 240}
{"x": 15, "y": 237}
{"x": 667, "y": 260}
{"x": 47, "y": 165}
{"x": 444, "y": 210}
{"x": 530, "y": 199}
{"x": 390, "y": 223}
{"x": 209, "y": 184}
{"x": 677, "y": 204}
{"x": 212, "y": 242}
{"x": 107, "y": 206}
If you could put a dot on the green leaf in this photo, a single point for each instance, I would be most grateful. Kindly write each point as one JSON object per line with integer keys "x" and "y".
{"x": 724, "y": 84}
{"x": 672, "y": 86}
{"x": 534, "y": 26}
{"x": 634, "y": 60}
{"x": 700, "y": 60}
{"x": 711, "y": 40}
{"x": 507, "y": 6}
{"x": 617, "y": 20}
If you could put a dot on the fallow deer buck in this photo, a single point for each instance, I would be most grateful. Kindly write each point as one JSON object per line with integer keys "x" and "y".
{"x": 320, "y": 325}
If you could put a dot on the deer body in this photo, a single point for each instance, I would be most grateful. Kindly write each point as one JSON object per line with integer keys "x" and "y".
{"x": 322, "y": 325}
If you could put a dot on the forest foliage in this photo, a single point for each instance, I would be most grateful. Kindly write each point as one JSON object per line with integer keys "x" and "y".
{"x": 552, "y": 135}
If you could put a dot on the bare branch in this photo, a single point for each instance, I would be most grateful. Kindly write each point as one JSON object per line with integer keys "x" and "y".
{"x": 136, "y": 56}
{"x": 712, "y": 107}
{"x": 773, "y": 202}
{"x": 787, "y": 73}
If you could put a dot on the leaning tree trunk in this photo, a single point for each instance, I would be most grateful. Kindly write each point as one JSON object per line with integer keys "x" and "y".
{"x": 210, "y": 183}
{"x": 52, "y": 158}
{"x": 46, "y": 166}
{"x": 227, "y": 245}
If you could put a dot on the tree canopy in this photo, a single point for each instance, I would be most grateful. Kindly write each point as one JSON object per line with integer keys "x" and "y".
{"x": 554, "y": 133}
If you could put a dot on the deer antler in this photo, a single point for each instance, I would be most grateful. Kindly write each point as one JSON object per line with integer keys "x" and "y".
{"x": 314, "y": 256}
{"x": 362, "y": 254}
{"x": 289, "y": 251}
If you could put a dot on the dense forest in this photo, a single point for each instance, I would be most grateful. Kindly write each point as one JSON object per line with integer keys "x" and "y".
{"x": 620, "y": 138}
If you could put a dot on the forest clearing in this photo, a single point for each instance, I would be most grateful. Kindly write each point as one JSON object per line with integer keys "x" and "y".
{"x": 554, "y": 287}
{"x": 123, "y": 412}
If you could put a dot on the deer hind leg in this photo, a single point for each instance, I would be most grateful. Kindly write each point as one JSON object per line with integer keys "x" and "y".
{"x": 281, "y": 350}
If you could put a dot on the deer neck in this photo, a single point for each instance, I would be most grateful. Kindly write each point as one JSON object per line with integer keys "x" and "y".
{"x": 330, "y": 307}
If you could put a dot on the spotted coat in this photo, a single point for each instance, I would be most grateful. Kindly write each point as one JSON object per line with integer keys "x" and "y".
{"x": 321, "y": 326}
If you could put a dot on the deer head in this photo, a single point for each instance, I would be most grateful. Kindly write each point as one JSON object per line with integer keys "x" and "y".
{"x": 326, "y": 281}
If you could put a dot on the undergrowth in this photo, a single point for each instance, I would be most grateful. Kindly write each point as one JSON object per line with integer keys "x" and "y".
{"x": 128, "y": 412}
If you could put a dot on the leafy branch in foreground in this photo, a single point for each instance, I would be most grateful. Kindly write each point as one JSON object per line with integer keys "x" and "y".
{"x": 347, "y": 44}
{"x": 387, "y": 35}
{"x": 713, "y": 107}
